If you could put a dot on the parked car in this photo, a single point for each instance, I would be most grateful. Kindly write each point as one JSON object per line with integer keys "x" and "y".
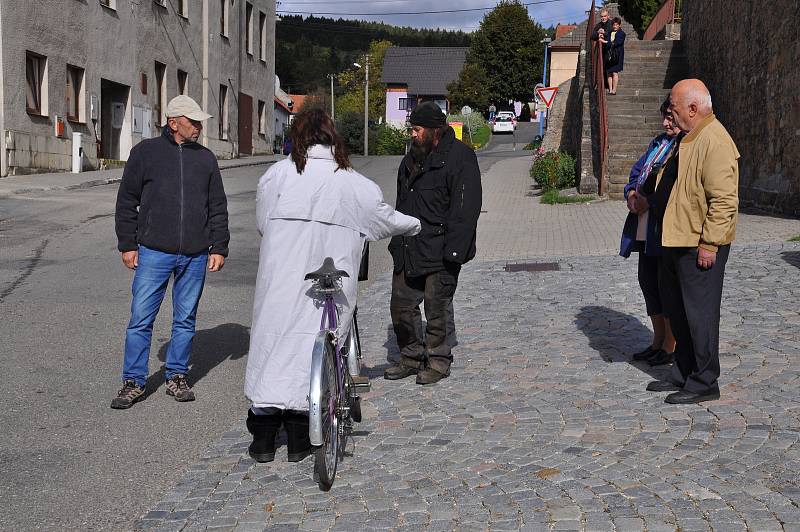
{"x": 503, "y": 124}
{"x": 510, "y": 115}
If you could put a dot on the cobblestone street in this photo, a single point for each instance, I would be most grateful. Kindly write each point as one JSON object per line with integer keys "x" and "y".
{"x": 544, "y": 423}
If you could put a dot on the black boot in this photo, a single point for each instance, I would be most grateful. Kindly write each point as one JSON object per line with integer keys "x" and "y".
{"x": 296, "y": 425}
{"x": 264, "y": 428}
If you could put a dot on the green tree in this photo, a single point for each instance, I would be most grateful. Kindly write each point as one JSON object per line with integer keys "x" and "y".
{"x": 507, "y": 46}
{"x": 639, "y": 12}
{"x": 471, "y": 88}
{"x": 353, "y": 81}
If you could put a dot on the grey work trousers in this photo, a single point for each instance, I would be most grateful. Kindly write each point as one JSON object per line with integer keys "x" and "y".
{"x": 435, "y": 291}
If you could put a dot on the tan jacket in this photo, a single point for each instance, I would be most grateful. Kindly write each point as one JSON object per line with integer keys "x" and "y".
{"x": 704, "y": 203}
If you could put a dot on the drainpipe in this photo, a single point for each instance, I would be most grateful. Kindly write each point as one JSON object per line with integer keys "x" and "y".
{"x": 3, "y": 161}
{"x": 206, "y": 37}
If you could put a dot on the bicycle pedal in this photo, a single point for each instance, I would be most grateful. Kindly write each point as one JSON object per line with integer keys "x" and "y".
{"x": 360, "y": 383}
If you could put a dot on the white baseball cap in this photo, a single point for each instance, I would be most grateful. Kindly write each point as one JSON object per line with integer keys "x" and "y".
{"x": 185, "y": 106}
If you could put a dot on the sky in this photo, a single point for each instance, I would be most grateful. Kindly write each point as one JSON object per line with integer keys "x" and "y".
{"x": 545, "y": 12}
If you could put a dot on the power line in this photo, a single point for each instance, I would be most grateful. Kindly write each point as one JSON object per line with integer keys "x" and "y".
{"x": 438, "y": 12}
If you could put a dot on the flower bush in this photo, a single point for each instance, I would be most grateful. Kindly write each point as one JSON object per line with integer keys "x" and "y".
{"x": 553, "y": 170}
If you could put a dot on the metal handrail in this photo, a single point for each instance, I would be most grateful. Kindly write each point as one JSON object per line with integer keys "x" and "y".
{"x": 665, "y": 15}
{"x": 598, "y": 85}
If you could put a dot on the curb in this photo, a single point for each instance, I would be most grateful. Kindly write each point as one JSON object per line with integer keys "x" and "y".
{"x": 115, "y": 180}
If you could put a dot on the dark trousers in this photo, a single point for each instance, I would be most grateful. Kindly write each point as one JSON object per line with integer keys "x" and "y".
{"x": 693, "y": 302}
{"x": 436, "y": 291}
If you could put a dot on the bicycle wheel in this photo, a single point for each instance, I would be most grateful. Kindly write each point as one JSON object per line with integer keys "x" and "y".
{"x": 326, "y": 456}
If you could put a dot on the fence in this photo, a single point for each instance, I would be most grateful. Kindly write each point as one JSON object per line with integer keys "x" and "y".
{"x": 664, "y": 16}
{"x": 598, "y": 84}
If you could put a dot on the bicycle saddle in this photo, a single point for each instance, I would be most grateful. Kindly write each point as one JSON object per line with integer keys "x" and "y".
{"x": 327, "y": 271}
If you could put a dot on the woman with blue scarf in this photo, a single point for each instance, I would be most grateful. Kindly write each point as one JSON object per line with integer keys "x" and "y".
{"x": 639, "y": 234}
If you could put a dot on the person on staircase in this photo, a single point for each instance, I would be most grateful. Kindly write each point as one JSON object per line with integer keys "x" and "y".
{"x": 613, "y": 54}
{"x": 640, "y": 235}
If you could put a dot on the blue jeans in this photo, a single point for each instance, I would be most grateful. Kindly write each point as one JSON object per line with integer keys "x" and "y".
{"x": 149, "y": 286}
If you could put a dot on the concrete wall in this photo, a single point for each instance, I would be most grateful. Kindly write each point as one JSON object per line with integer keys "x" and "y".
{"x": 122, "y": 45}
{"x": 562, "y": 66}
{"x": 747, "y": 56}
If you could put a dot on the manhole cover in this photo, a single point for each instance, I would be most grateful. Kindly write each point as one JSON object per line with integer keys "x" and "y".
{"x": 533, "y": 267}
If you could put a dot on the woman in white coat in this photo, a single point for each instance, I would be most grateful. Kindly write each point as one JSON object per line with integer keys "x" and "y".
{"x": 309, "y": 206}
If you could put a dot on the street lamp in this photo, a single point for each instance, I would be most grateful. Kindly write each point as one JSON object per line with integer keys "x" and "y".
{"x": 366, "y": 104}
{"x": 546, "y": 42}
{"x": 333, "y": 115}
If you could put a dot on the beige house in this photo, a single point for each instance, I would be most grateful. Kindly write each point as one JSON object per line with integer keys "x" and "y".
{"x": 107, "y": 68}
{"x": 564, "y": 52}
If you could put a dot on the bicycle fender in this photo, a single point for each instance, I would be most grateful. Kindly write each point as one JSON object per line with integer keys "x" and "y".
{"x": 315, "y": 388}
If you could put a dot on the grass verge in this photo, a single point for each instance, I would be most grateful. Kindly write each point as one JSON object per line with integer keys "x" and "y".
{"x": 552, "y": 197}
{"x": 479, "y": 139}
{"x": 795, "y": 239}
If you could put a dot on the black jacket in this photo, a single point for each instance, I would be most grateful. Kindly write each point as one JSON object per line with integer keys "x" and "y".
{"x": 171, "y": 199}
{"x": 446, "y": 197}
{"x": 608, "y": 26}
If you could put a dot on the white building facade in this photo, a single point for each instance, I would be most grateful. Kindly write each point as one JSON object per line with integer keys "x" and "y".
{"x": 107, "y": 68}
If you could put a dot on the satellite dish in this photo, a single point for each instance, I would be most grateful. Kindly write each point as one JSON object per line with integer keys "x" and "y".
{"x": 466, "y": 110}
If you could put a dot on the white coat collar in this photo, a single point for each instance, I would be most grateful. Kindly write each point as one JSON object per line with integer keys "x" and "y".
{"x": 320, "y": 151}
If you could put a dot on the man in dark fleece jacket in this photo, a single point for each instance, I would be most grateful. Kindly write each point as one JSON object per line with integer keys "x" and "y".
{"x": 171, "y": 221}
{"x": 439, "y": 182}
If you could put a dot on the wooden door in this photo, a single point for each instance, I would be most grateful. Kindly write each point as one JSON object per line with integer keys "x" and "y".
{"x": 245, "y": 124}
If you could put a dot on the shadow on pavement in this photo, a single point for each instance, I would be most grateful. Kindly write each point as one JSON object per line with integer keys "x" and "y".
{"x": 616, "y": 336}
{"x": 209, "y": 349}
{"x": 792, "y": 257}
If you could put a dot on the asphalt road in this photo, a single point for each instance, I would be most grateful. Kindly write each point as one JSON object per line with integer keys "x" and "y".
{"x": 67, "y": 460}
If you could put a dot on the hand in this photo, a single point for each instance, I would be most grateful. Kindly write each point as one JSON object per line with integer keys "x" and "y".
{"x": 215, "y": 262}
{"x": 640, "y": 204}
{"x": 130, "y": 259}
{"x": 705, "y": 258}
{"x": 631, "y": 199}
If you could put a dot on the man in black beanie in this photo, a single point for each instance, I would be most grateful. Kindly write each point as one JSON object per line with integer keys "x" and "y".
{"x": 439, "y": 182}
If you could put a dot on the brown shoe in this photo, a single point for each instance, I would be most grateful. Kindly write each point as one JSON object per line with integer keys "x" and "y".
{"x": 430, "y": 376}
{"x": 178, "y": 388}
{"x": 129, "y": 394}
{"x": 399, "y": 371}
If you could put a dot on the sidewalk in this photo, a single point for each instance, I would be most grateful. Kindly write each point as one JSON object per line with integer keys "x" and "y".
{"x": 544, "y": 423}
{"x": 24, "y": 184}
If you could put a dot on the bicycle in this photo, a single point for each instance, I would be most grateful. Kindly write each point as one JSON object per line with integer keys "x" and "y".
{"x": 334, "y": 403}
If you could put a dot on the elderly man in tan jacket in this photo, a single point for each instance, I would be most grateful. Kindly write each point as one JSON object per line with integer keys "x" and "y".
{"x": 698, "y": 228}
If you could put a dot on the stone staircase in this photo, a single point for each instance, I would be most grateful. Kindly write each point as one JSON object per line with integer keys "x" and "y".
{"x": 651, "y": 68}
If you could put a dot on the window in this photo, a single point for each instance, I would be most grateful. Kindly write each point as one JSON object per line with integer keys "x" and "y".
{"x": 111, "y": 4}
{"x": 161, "y": 94}
{"x": 183, "y": 8}
{"x": 36, "y": 77}
{"x": 75, "y": 98}
{"x": 248, "y": 27}
{"x": 262, "y": 25}
{"x": 262, "y": 117}
{"x": 402, "y": 104}
{"x": 223, "y": 17}
{"x": 183, "y": 83}
{"x": 223, "y": 112}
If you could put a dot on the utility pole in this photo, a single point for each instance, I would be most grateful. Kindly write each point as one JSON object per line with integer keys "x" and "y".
{"x": 333, "y": 115}
{"x": 366, "y": 104}
{"x": 546, "y": 42}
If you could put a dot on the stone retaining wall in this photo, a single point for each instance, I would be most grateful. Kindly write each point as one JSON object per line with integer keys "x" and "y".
{"x": 747, "y": 55}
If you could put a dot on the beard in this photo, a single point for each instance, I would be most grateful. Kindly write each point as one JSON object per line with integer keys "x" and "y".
{"x": 421, "y": 147}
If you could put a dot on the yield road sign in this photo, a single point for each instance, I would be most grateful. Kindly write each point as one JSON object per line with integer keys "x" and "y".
{"x": 547, "y": 94}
